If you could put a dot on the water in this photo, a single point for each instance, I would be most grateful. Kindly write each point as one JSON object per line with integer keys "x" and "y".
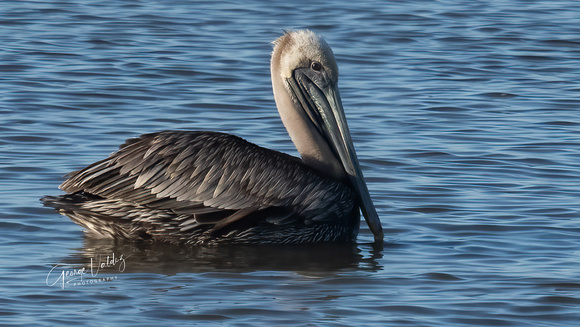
{"x": 464, "y": 114}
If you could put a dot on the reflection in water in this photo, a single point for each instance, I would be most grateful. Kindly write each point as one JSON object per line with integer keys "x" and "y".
{"x": 170, "y": 260}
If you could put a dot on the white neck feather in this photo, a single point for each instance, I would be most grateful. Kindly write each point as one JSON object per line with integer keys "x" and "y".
{"x": 313, "y": 148}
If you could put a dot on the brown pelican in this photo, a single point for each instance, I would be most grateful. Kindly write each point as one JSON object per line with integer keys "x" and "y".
{"x": 188, "y": 187}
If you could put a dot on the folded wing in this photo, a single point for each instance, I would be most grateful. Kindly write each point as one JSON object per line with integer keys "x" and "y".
{"x": 217, "y": 179}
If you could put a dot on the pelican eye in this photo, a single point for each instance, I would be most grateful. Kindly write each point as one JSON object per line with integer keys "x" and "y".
{"x": 315, "y": 65}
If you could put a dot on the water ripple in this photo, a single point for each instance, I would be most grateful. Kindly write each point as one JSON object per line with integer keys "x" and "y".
{"x": 465, "y": 121}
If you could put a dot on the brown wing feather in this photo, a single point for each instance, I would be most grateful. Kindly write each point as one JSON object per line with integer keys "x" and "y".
{"x": 218, "y": 178}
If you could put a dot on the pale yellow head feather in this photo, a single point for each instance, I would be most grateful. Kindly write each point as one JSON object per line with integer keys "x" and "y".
{"x": 298, "y": 49}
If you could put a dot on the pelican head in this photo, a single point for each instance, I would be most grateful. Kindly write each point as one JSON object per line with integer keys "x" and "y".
{"x": 305, "y": 83}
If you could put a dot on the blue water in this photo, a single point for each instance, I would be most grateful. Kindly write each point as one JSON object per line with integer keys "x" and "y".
{"x": 465, "y": 115}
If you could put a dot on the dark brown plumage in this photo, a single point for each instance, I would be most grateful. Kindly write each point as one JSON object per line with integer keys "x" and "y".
{"x": 207, "y": 187}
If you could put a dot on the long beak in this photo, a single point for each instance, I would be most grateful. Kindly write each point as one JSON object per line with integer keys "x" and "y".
{"x": 323, "y": 105}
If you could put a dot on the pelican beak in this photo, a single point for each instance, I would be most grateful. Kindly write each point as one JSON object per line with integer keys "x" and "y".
{"x": 321, "y": 101}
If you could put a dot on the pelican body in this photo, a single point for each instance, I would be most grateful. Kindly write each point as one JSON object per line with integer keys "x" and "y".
{"x": 188, "y": 187}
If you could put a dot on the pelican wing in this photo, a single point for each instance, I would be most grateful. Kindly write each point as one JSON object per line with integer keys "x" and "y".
{"x": 216, "y": 178}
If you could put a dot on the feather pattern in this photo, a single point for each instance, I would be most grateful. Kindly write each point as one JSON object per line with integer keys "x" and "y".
{"x": 205, "y": 183}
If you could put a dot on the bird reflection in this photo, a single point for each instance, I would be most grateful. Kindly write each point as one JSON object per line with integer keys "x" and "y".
{"x": 170, "y": 260}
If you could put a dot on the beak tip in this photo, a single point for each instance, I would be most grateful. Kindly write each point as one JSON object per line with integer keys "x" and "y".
{"x": 379, "y": 235}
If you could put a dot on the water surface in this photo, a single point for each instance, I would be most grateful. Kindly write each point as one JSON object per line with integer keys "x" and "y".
{"x": 464, "y": 115}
